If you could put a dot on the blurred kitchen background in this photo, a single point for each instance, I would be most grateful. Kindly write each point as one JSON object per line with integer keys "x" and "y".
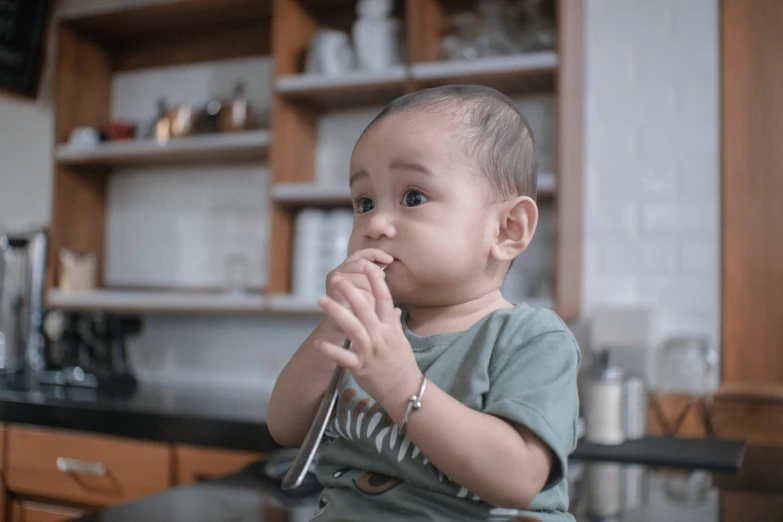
{"x": 643, "y": 237}
{"x": 173, "y": 190}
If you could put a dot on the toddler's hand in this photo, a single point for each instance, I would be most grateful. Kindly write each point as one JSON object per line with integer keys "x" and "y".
{"x": 352, "y": 270}
{"x": 381, "y": 358}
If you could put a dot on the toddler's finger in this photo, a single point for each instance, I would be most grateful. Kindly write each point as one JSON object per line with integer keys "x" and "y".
{"x": 373, "y": 255}
{"x": 357, "y": 266}
{"x": 338, "y": 355}
{"x": 362, "y": 306}
{"x": 356, "y": 280}
{"x": 346, "y": 320}
{"x": 384, "y": 305}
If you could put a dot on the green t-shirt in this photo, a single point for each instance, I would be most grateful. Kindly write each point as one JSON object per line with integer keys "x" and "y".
{"x": 517, "y": 363}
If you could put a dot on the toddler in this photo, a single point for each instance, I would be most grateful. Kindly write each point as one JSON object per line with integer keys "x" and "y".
{"x": 456, "y": 404}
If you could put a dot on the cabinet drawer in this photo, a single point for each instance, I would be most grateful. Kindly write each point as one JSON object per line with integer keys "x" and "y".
{"x": 2, "y": 447}
{"x": 23, "y": 511}
{"x": 84, "y": 468}
{"x": 194, "y": 463}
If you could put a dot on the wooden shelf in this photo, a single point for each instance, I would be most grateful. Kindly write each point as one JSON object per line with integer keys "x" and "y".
{"x": 132, "y": 301}
{"x": 93, "y": 49}
{"x": 288, "y": 303}
{"x": 152, "y": 301}
{"x": 510, "y": 74}
{"x": 352, "y": 89}
{"x": 186, "y": 31}
{"x": 311, "y": 194}
{"x": 229, "y": 147}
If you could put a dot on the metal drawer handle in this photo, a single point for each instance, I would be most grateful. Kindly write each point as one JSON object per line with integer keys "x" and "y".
{"x": 81, "y": 466}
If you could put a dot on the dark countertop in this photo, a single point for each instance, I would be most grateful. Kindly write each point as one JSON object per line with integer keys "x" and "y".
{"x": 235, "y": 418}
{"x": 246, "y": 496}
{"x": 225, "y": 418}
{"x": 599, "y": 491}
{"x": 208, "y": 502}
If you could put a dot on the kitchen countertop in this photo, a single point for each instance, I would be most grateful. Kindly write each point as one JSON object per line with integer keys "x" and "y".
{"x": 219, "y": 417}
{"x": 235, "y": 418}
{"x": 246, "y": 496}
{"x": 599, "y": 491}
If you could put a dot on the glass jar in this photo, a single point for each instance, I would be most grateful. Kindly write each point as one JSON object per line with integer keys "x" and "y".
{"x": 685, "y": 365}
{"x": 462, "y": 44}
{"x": 496, "y": 30}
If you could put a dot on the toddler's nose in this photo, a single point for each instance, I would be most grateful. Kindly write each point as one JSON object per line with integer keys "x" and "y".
{"x": 380, "y": 226}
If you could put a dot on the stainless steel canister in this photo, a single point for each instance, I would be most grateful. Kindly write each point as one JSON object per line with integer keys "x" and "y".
{"x": 634, "y": 407}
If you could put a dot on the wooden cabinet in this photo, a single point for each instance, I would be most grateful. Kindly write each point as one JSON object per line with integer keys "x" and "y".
{"x": 91, "y": 51}
{"x": 2, "y": 471}
{"x": 194, "y": 463}
{"x": 95, "y": 48}
{"x": 28, "y": 511}
{"x": 752, "y": 182}
{"x": 52, "y": 474}
{"x": 82, "y": 468}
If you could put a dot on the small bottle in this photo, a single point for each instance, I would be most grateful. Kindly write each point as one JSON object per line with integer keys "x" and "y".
{"x": 634, "y": 407}
{"x": 604, "y": 404}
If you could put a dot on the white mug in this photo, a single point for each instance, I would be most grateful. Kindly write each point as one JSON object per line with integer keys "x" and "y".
{"x": 330, "y": 53}
{"x": 84, "y": 137}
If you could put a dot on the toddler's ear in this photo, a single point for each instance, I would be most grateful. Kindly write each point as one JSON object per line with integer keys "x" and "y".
{"x": 517, "y": 220}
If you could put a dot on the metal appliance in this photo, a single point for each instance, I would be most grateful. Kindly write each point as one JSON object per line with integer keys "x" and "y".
{"x": 22, "y": 267}
{"x": 40, "y": 347}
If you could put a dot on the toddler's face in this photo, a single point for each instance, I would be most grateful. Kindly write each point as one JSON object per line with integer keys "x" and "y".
{"x": 418, "y": 196}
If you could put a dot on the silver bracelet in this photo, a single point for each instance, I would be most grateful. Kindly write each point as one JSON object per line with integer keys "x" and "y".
{"x": 414, "y": 403}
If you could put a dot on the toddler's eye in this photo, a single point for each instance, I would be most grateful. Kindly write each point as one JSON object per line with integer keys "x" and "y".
{"x": 362, "y": 205}
{"x": 413, "y": 198}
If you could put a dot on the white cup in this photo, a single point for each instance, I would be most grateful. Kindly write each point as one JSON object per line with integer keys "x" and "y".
{"x": 339, "y": 227}
{"x": 331, "y": 53}
{"x": 84, "y": 137}
{"x": 309, "y": 227}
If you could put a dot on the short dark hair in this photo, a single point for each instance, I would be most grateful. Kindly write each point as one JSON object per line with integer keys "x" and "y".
{"x": 493, "y": 131}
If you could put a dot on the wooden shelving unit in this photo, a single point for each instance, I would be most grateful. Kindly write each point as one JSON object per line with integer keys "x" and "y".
{"x": 510, "y": 74}
{"x": 288, "y": 303}
{"x": 156, "y": 301}
{"x": 310, "y": 194}
{"x": 352, "y": 89}
{"x": 92, "y": 49}
{"x": 513, "y": 65}
{"x": 215, "y": 148}
{"x": 171, "y": 302}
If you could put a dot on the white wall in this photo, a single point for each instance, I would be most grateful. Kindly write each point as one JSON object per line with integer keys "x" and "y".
{"x": 26, "y": 139}
{"x": 651, "y": 209}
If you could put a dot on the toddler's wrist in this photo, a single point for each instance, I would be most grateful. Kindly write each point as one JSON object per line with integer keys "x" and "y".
{"x": 396, "y": 401}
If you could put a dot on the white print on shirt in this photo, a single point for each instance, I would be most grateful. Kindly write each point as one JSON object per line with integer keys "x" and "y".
{"x": 366, "y": 421}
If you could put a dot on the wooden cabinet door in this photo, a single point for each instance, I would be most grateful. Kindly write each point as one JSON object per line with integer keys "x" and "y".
{"x": 83, "y": 468}
{"x": 197, "y": 463}
{"x": 24, "y": 511}
{"x": 3, "y": 508}
{"x": 752, "y": 184}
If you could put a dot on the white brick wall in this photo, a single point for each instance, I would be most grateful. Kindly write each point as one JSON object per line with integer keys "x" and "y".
{"x": 651, "y": 223}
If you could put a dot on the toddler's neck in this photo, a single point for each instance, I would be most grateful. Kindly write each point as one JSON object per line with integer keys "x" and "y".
{"x": 453, "y": 318}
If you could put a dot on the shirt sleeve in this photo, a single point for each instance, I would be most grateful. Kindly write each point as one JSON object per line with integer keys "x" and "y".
{"x": 534, "y": 384}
